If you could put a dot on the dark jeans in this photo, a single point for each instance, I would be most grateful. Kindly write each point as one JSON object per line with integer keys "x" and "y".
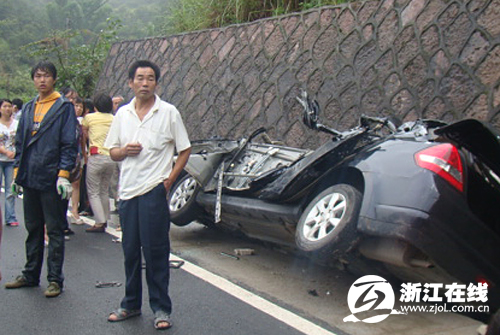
{"x": 6, "y": 169}
{"x": 145, "y": 222}
{"x": 44, "y": 208}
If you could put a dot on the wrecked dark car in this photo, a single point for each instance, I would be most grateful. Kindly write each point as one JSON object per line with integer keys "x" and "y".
{"x": 421, "y": 198}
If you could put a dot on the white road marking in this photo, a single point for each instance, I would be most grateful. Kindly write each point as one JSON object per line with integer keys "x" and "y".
{"x": 277, "y": 312}
{"x": 293, "y": 320}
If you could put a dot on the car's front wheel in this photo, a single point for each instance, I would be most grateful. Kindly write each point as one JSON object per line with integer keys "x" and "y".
{"x": 327, "y": 226}
{"x": 182, "y": 202}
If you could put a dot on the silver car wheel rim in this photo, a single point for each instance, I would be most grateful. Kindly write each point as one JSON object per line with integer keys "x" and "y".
{"x": 324, "y": 217}
{"x": 182, "y": 194}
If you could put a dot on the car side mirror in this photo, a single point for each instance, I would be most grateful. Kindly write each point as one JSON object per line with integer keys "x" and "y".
{"x": 311, "y": 111}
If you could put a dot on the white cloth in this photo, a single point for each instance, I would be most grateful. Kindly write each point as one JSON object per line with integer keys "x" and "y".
{"x": 7, "y": 136}
{"x": 160, "y": 132}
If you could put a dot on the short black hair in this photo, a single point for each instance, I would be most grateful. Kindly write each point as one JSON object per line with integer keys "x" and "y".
{"x": 88, "y": 105}
{"x": 67, "y": 90}
{"x": 2, "y": 101}
{"x": 5, "y": 100}
{"x": 143, "y": 63}
{"x": 44, "y": 66}
{"x": 103, "y": 103}
{"x": 18, "y": 103}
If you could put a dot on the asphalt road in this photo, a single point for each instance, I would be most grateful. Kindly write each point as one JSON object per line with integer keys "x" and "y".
{"x": 275, "y": 292}
{"x": 199, "y": 308}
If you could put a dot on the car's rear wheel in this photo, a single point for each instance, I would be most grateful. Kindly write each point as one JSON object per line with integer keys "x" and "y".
{"x": 182, "y": 202}
{"x": 327, "y": 226}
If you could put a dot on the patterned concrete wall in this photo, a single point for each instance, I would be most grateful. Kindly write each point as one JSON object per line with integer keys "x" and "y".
{"x": 414, "y": 58}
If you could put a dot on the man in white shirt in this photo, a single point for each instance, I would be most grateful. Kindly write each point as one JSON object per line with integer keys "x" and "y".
{"x": 117, "y": 101}
{"x": 144, "y": 136}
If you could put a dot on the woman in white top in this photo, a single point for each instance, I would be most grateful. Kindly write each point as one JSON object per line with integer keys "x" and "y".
{"x": 8, "y": 128}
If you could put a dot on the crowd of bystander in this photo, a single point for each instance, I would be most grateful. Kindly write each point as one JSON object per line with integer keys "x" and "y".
{"x": 59, "y": 150}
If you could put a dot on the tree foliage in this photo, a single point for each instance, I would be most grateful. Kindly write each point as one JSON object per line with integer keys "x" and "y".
{"x": 190, "y": 15}
{"x": 17, "y": 28}
{"x": 76, "y": 34}
{"x": 79, "y": 14}
{"x": 78, "y": 55}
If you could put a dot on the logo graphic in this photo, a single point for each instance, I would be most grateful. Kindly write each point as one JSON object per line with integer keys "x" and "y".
{"x": 371, "y": 300}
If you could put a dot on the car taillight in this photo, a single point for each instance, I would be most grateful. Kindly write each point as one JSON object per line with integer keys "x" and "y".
{"x": 444, "y": 160}
{"x": 483, "y": 280}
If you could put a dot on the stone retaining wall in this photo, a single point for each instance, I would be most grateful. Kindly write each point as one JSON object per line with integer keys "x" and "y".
{"x": 412, "y": 58}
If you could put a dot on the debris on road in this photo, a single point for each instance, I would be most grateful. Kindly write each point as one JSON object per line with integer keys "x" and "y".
{"x": 107, "y": 284}
{"x": 229, "y": 255}
{"x": 244, "y": 251}
{"x": 314, "y": 293}
{"x": 172, "y": 264}
{"x": 176, "y": 264}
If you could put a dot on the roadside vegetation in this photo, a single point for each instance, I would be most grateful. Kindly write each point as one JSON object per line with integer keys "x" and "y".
{"x": 191, "y": 15}
{"x": 77, "y": 34}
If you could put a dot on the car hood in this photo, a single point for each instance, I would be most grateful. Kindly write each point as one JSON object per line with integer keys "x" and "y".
{"x": 477, "y": 137}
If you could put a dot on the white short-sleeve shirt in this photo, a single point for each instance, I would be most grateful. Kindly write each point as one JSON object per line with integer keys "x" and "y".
{"x": 160, "y": 132}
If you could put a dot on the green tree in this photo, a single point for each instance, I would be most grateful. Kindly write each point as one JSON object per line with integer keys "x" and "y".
{"x": 78, "y": 14}
{"x": 140, "y": 21}
{"x": 79, "y": 66}
{"x": 18, "y": 26}
{"x": 17, "y": 83}
{"x": 189, "y": 15}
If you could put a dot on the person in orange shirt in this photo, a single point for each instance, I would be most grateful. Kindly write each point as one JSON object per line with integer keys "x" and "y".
{"x": 46, "y": 149}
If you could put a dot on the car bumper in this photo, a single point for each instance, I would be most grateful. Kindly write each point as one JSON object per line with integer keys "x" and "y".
{"x": 448, "y": 233}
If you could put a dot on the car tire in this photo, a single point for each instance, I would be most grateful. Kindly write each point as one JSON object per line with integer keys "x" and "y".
{"x": 327, "y": 226}
{"x": 182, "y": 200}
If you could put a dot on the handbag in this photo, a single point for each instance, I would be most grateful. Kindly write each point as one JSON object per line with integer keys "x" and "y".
{"x": 76, "y": 173}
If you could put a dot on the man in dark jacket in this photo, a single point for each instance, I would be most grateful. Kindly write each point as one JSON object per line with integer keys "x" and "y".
{"x": 46, "y": 149}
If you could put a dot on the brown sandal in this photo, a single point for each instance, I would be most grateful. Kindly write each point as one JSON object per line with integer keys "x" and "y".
{"x": 97, "y": 228}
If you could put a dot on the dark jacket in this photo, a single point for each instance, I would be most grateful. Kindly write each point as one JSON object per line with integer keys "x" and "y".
{"x": 54, "y": 147}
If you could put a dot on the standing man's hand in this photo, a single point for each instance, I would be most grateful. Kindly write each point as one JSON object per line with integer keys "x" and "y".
{"x": 133, "y": 149}
{"x": 16, "y": 189}
{"x": 181, "y": 161}
{"x": 64, "y": 188}
{"x": 167, "y": 183}
{"x": 129, "y": 150}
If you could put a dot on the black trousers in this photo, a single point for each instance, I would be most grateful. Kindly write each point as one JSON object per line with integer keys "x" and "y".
{"x": 84, "y": 198}
{"x": 145, "y": 222}
{"x": 44, "y": 208}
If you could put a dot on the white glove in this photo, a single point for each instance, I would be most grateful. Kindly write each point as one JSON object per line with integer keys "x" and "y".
{"x": 64, "y": 188}
{"x": 16, "y": 189}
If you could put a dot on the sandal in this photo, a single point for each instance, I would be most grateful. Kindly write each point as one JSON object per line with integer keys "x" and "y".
{"x": 97, "y": 228}
{"x": 162, "y": 317}
{"x": 79, "y": 221}
{"x": 123, "y": 314}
